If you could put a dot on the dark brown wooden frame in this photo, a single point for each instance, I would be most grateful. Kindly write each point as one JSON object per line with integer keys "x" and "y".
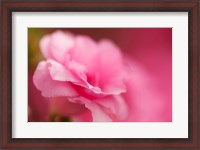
{"x": 190, "y": 6}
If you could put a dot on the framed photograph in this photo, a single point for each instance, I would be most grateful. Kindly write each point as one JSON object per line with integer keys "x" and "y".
{"x": 100, "y": 74}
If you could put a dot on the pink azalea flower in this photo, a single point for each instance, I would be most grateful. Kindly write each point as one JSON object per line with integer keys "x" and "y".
{"x": 83, "y": 71}
{"x": 93, "y": 81}
{"x": 145, "y": 98}
{"x": 42, "y": 109}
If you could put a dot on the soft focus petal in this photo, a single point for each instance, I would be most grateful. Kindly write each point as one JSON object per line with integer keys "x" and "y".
{"x": 81, "y": 71}
{"x": 95, "y": 76}
{"x": 75, "y": 73}
{"x": 86, "y": 52}
{"x": 44, "y": 46}
{"x": 60, "y": 73}
{"x": 48, "y": 86}
{"x": 111, "y": 68}
{"x": 98, "y": 113}
{"x": 57, "y": 45}
{"x": 146, "y": 101}
{"x": 117, "y": 105}
{"x": 152, "y": 48}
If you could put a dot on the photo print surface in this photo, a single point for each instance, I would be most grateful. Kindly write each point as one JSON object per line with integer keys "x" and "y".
{"x": 100, "y": 74}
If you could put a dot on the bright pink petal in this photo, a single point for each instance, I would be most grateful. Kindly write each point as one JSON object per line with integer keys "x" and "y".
{"x": 117, "y": 105}
{"x": 49, "y": 87}
{"x": 98, "y": 113}
{"x": 81, "y": 71}
{"x": 78, "y": 69}
{"x": 44, "y": 46}
{"x": 86, "y": 52}
{"x": 111, "y": 68}
{"x": 60, "y": 73}
{"x": 57, "y": 45}
{"x": 75, "y": 74}
{"x": 116, "y": 86}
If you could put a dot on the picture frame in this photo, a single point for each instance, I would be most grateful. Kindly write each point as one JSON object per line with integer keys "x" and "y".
{"x": 193, "y": 9}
